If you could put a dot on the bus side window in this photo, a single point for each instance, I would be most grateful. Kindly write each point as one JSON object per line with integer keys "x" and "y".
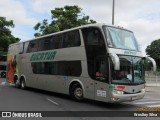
{"x": 56, "y": 42}
{"x": 44, "y": 44}
{"x": 102, "y": 69}
{"x": 66, "y": 68}
{"x": 93, "y": 36}
{"x": 95, "y": 46}
{"x": 71, "y": 39}
{"x": 33, "y": 46}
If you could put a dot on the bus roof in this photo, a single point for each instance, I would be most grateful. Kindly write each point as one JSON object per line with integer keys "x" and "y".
{"x": 67, "y": 30}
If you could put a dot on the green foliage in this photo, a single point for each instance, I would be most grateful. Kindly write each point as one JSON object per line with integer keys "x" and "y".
{"x": 2, "y": 53}
{"x": 6, "y": 37}
{"x": 153, "y": 51}
{"x": 63, "y": 18}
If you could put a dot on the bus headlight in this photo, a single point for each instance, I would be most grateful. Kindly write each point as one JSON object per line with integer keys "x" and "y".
{"x": 143, "y": 90}
{"x": 118, "y": 92}
{"x": 114, "y": 99}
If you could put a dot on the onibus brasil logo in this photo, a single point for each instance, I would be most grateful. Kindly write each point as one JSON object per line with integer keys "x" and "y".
{"x": 43, "y": 56}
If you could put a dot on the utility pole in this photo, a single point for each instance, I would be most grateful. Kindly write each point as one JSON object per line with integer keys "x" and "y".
{"x": 113, "y": 13}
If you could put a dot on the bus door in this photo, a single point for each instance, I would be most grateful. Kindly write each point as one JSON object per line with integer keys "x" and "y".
{"x": 101, "y": 78}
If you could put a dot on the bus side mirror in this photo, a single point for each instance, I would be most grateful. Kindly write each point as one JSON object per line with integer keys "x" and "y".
{"x": 153, "y": 62}
{"x": 116, "y": 61}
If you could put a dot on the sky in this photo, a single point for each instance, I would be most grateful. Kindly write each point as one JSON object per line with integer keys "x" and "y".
{"x": 140, "y": 16}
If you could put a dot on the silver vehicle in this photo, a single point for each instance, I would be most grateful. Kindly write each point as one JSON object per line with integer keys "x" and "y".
{"x": 95, "y": 61}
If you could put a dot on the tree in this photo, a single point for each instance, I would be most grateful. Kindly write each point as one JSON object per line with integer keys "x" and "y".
{"x": 63, "y": 18}
{"x": 6, "y": 37}
{"x": 153, "y": 51}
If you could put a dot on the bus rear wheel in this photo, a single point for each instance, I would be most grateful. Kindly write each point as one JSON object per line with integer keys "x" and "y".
{"x": 16, "y": 83}
{"x": 23, "y": 84}
{"x": 77, "y": 92}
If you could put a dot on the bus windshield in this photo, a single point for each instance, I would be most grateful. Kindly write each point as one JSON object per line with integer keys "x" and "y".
{"x": 121, "y": 39}
{"x": 131, "y": 71}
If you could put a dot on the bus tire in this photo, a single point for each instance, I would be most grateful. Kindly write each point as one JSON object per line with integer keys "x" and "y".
{"x": 23, "y": 84}
{"x": 17, "y": 85}
{"x": 76, "y": 92}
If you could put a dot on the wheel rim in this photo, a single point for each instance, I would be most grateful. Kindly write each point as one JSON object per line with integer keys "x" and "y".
{"x": 78, "y": 93}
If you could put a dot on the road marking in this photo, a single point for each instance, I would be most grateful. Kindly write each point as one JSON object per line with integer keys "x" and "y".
{"x": 3, "y": 83}
{"x": 153, "y": 105}
{"x": 52, "y": 101}
{"x": 147, "y": 102}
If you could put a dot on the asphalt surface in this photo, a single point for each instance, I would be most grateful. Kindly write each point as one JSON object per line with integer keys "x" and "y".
{"x": 14, "y": 99}
{"x": 152, "y": 80}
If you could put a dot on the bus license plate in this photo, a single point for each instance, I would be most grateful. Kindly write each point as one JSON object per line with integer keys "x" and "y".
{"x": 133, "y": 98}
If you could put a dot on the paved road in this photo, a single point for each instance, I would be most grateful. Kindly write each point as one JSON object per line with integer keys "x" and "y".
{"x": 152, "y": 80}
{"x": 14, "y": 99}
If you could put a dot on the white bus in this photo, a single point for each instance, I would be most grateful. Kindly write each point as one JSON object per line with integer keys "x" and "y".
{"x": 95, "y": 61}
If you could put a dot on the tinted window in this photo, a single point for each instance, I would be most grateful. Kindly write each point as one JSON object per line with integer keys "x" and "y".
{"x": 56, "y": 42}
{"x": 33, "y": 46}
{"x": 95, "y": 47}
{"x": 71, "y": 39}
{"x": 101, "y": 67}
{"x": 63, "y": 40}
{"x": 44, "y": 44}
{"x": 93, "y": 36}
{"x": 67, "y": 68}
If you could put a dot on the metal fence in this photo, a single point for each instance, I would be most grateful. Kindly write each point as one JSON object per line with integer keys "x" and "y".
{"x": 152, "y": 78}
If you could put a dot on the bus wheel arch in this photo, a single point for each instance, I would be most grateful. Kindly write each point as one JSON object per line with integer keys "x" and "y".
{"x": 23, "y": 82}
{"x": 76, "y": 91}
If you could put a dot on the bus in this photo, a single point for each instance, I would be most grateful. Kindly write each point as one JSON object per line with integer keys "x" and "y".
{"x": 95, "y": 61}
{"x": 3, "y": 65}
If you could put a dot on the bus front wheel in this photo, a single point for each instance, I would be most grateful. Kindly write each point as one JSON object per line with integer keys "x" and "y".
{"x": 77, "y": 92}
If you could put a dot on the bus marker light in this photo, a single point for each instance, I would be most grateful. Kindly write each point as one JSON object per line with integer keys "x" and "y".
{"x": 121, "y": 87}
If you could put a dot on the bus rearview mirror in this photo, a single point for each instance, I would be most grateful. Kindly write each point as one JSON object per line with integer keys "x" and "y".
{"x": 153, "y": 62}
{"x": 116, "y": 61}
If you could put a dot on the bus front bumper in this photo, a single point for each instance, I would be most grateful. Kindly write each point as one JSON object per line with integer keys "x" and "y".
{"x": 126, "y": 97}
